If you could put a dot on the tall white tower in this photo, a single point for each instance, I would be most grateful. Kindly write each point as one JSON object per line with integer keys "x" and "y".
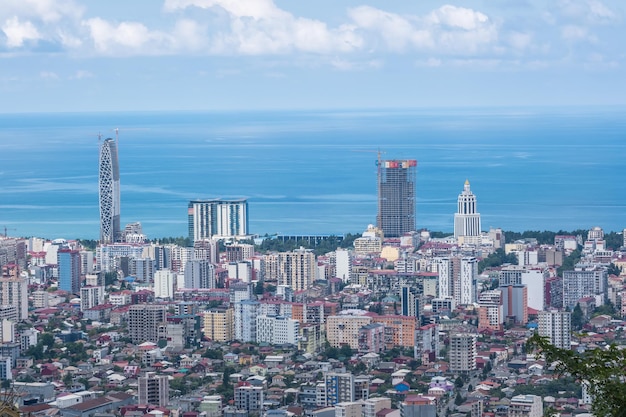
{"x": 466, "y": 219}
{"x": 109, "y": 192}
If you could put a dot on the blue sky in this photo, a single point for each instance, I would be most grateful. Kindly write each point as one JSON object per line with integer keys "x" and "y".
{"x": 93, "y": 55}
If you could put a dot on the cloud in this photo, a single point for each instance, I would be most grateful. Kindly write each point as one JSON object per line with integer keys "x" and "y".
{"x": 256, "y": 27}
{"x": 81, "y": 74}
{"x": 446, "y": 30}
{"x": 109, "y": 38}
{"x": 458, "y": 17}
{"x": 575, "y": 33}
{"x": 18, "y": 32}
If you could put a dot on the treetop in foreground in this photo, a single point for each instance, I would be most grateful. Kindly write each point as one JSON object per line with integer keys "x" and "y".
{"x": 603, "y": 371}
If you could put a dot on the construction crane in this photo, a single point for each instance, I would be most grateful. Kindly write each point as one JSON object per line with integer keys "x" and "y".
{"x": 379, "y": 179}
{"x": 6, "y": 229}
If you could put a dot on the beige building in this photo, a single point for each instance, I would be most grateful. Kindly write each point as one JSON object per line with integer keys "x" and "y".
{"x": 344, "y": 328}
{"x": 218, "y": 325}
{"x": 348, "y": 409}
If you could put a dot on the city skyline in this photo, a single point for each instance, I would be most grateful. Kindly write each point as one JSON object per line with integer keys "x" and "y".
{"x": 265, "y": 54}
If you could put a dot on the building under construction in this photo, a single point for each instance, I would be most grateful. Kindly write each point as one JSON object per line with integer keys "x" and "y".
{"x": 396, "y": 196}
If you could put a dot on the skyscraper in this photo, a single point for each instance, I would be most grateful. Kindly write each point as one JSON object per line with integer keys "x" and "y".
{"x": 109, "y": 192}
{"x": 466, "y": 219}
{"x": 396, "y": 197}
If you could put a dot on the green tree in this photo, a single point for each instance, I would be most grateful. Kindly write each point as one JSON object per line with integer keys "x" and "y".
{"x": 458, "y": 400}
{"x": 578, "y": 317}
{"x": 614, "y": 270}
{"x": 458, "y": 382}
{"x": 602, "y": 370}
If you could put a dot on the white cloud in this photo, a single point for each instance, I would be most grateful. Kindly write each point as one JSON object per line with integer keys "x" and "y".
{"x": 47, "y": 11}
{"x": 125, "y": 37}
{"x": 458, "y": 17}
{"x": 256, "y": 27}
{"x": 18, "y": 32}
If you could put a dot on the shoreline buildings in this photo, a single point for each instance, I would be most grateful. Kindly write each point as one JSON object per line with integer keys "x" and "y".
{"x": 109, "y": 192}
{"x": 396, "y": 197}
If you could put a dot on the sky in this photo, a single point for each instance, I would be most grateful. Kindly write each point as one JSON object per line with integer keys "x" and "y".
{"x": 144, "y": 55}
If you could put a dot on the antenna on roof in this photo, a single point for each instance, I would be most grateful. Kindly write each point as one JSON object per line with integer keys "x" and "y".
{"x": 117, "y": 134}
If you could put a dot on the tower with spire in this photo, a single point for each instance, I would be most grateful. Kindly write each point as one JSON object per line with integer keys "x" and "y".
{"x": 466, "y": 219}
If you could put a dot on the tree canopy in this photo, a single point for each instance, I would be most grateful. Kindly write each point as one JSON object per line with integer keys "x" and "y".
{"x": 603, "y": 371}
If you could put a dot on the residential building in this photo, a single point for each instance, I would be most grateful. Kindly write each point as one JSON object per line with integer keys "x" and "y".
{"x": 91, "y": 297}
{"x": 199, "y": 273}
{"x": 144, "y": 321}
{"x": 343, "y": 329}
{"x": 396, "y": 196}
{"x": 348, "y": 409}
{"x": 208, "y": 219}
{"x": 418, "y": 406}
{"x": 557, "y": 327}
{"x": 457, "y": 278}
{"x": 277, "y": 330}
{"x": 14, "y": 296}
{"x": 463, "y": 352}
{"x": 584, "y": 281}
{"x": 526, "y": 406}
{"x": 164, "y": 283}
{"x": 249, "y": 398}
{"x": 246, "y": 312}
{"x": 339, "y": 387}
{"x": 154, "y": 389}
{"x": 218, "y": 325}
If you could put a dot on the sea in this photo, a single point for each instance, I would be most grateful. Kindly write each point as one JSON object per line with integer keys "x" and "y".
{"x": 314, "y": 172}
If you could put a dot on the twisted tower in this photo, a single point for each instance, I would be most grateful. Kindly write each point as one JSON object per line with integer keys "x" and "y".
{"x": 109, "y": 192}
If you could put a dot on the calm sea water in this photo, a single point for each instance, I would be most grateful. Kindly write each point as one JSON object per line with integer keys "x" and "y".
{"x": 308, "y": 172}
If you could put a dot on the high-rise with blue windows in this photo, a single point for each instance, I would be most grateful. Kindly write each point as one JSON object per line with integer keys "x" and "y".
{"x": 68, "y": 264}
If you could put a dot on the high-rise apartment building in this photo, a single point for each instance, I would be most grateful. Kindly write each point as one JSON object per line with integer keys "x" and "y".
{"x": 466, "y": 219}
{"x": 109, "y": 192}
{"x": 457, "y": 278}
{"x": 164, "y": 281}
{"x": 144, "y": 321}
{"x": 277, "y": 330}
{"x": 463, "y": 352}
{"x": 557, "y": 327}
{"x": 154, "y": 389}
{"x": 584, "y": 281}
{"x": 246, "y": 312}
{"x": 396, "y": 196}
{"x": 14, "y": 296}
{"x": 218, "y": 325}
{"x": 339, "y": 387}
{"x": 294, "y": 269}
{"x": 208, "y": 219}
{"x": 91, "y": 297}
{"x": 199, "y": 273}
{"x": 68, "y": 263}
{"x": 343, "y": 329}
